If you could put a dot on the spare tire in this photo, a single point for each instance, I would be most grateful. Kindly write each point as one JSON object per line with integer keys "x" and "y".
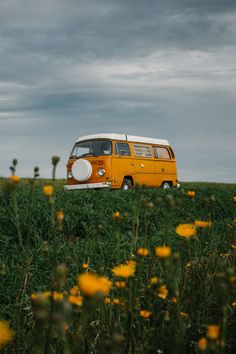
{"x": 81, "y": 170}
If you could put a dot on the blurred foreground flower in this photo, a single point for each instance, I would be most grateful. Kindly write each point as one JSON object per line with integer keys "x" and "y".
{"x": 191, "y": 194}
{"x": 76, "y": 300}
{"x": 202, "y": 344}
{"x": 163, "y": 251}
{"x": 46, "y": 295}
{"x": 107, "y": 300}
{"x": 162, "y": 292}
{"x": 120, "y": 284}
{"x": 117, "y": 301}
{"x": 6, "y": 334}
{"x": 186, "y": 230}
{"x": 183, "y": 314}
{"x": 15, "y": 179}
{"x": 116, "y": 215}
{"x": 91, "y": 284}
{"x": 85, "y": 266}
{"x": 213, "y": 331}
{"x": 145, "y": 314}
{"x": 60, "y": 215}
{"x": 125, "y": 270}
{"x": 201, "y": 223}
{"x": 75, "y": 290}
{"x": 154, "y": 280}
{"x": 142, "y": 252}
{"x": 48, "y": 190}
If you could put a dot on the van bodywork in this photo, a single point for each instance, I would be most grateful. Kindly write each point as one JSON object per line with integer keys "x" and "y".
{"x": 119, "y": 161}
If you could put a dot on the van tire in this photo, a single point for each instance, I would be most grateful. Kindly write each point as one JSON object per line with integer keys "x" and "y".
{"x": 166, "y": 185}
{"x": 127, "y": 184}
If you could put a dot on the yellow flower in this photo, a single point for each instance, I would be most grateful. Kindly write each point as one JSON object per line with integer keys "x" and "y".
{"x": 154, "y": 280}
{"x": 107, "y": 300}
{"x": 48, "y": 190}
{"x": 145, "y": 314}
{"x": 202, "y": 224}
{"x": 234, "y": 199}
{"x": 6, "y": 334}
{"x": 117, "y": 302}
{"x": 233, "y": 304}
{"x": 163, "y": 251}
{"x": 233, "y": 246}
{"x": 116, "y": 215}
{"x": 60, "y": 216}
{"x": 174, "y": 300}
{"x": 184, "y": 314}
{"x": 232, "y": 279}
{"x": 85, "y": 266}
{"x": 92, "y": 284}
{"x": 46, "y": 295}
{"x": 74, "y": 290}
{"x": 143, "y": 252}
{"x": 120, "y": 284}
{"x": 213, "y": 331}
{"x": 15, "y": 179}
{"x": 125, "y": 270}
{"x": 57, "y": 296}
{"x": 188, "y": 265}
{"x": 186, "y": 230}
{"x": 132, "y": 263}
{"x": 202, "y": 344}
{"x": 162, "y": 292}
{"x": 191, "y": 194}
{"x": 76, "y": 300}
{"x": 225, "y": 255}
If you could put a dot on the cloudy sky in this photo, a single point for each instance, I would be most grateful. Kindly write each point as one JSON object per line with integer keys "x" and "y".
{"x": 158, "y": 68}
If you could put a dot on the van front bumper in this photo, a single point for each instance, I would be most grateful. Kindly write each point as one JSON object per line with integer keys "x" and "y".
{"x": 87, "y": 185}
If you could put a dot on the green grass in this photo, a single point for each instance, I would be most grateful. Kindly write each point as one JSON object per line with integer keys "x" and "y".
{"x": 199, "y": 273}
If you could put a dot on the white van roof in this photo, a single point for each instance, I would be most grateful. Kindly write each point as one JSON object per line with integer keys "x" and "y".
{"x": 125, "y": 137}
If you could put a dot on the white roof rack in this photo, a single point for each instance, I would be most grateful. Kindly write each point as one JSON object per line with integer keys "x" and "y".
{"x": 124, "y": 137}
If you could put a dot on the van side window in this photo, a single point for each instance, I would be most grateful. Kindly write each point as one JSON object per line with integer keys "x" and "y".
{"x": 161, "y": 152}
{"x": 122, "y": 149}
{"x": 142, "y": 150}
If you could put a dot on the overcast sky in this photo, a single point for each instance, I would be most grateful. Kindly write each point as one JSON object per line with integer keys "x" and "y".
{"x": 157, "y": 68}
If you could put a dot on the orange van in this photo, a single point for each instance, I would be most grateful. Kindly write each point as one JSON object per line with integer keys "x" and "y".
{"x": 120, "y": 161}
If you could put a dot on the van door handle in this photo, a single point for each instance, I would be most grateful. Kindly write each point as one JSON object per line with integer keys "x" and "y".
{"x": 132, "y": 164}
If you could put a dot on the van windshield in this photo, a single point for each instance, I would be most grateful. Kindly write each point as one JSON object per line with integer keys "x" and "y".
{"x": 91, "y": 148}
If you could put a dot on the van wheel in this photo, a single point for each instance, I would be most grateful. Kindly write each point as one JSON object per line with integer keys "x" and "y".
{"x": 127, "y": 184}
{"x": 166, "y": 185}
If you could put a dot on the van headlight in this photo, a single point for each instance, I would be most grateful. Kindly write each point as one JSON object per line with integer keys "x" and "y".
{"x": 101, "y": 172}
{"x": 69, "y": 174}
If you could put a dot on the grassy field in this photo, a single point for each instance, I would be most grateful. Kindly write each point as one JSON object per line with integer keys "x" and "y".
{"x": 180, "y": 298}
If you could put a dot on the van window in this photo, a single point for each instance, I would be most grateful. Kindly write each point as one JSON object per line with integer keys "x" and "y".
{"x": 92, "y": 148}
{"x": 122, "y": 149}
{"x": 142, "y": 150}
{"x": 161, "y": 152}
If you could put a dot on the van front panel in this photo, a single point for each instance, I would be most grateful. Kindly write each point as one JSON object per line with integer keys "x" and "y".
{"x": 96, "y": 162}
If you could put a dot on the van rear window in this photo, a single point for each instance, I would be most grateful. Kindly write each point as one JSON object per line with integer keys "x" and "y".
{"x": 142, "y": 150}
{"x": 161, "y": 152}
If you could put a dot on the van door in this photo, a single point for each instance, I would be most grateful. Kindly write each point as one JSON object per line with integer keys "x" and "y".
{"x": 165, "y": 167}
{"x": 122, "y": 164}
{"x": 144, "y": 164}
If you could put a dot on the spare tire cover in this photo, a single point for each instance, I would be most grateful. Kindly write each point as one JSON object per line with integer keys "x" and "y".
{"x": 81, "y": 170}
